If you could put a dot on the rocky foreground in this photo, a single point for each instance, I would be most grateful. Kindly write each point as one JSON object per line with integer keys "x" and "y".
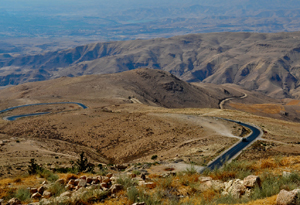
{"x": 91, "y": 189}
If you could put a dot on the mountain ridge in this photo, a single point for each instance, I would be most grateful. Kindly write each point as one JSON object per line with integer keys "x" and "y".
{"x": 262, "y": 62}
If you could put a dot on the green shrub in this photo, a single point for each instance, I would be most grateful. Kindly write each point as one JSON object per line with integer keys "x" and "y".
{"x": 126, "y": 182}
{"x": 56, "y": 189}
{"x": 23, "y": 195}
{"x": 47, "y": 174}
{"x": 83, "y": 164}
{"x": 136, "y": 172}
{"x": 132, "y": 194}
{"x": 33, "y": 167}
{"x": 154, "y": 157}
{"x": 271, "y": 185}
{"x": 190, "y": 170}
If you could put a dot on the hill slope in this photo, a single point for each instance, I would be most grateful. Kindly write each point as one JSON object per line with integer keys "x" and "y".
{"x": 149, "y": 86}
{"x": 263, "y": 62}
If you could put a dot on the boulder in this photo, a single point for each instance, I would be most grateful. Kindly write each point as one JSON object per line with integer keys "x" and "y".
{"x": 44, "y": 183}
{"x": 33, "y": 190}
{"x": 287, "y": 197}
{"x": 36, "y": 196}
{"x": 89, "y": 180}
{"x": 106, "y": 179}
{"x": 47, "y": 194}
{"x": 252, "y": 181}
{"x": 71, "y": 182}
{"x": 83, "y": 177}
{"x": 235, "y": 188}
{"x": 286, "y": 174}
{"x": 61, "y": 181}
{"x": 205, "y": 179}
{"x": 70, "y": 187}
{"x": 109, "y": 175}
{"x": 217, "y": 185}
{"x": 41, "y": 189}
{"x": 61, "y": 200}
{"x": 14, "y": 201}
{"x": 205, "y": 186}
{"x": 115, "y": 188}
{"x": 81, "y": 183}
{"x": 66, "y": 193}
{"x": 104, "y": 185}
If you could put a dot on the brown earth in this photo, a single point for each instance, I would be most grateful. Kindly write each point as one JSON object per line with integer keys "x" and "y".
{"x": 117, "y": 128}
{"x": 268, "y": 63}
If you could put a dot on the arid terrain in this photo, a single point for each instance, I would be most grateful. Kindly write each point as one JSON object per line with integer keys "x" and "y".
{"x": 267, "y": 63}
{"x": 134, "y": 115}
{"x": 148, "y": 122}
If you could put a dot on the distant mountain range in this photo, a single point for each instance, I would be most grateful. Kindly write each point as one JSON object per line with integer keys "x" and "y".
{"x": 269, "y": 63}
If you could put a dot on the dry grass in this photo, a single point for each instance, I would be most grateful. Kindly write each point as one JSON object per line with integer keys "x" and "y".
{"x": 259, "y": 108}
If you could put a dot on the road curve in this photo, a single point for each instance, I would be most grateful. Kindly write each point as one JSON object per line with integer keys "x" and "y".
{"x": 233, "y": 152}
{"x": 222, "y": 102}
{"x": 12, "y": 118}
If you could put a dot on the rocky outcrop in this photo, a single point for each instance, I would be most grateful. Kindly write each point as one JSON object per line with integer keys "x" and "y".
{"x": 288, "y": 197}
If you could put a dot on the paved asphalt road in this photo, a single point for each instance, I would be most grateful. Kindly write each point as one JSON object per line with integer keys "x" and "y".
{"x": 11, "y": 118}
{"x": 229, "y": 154}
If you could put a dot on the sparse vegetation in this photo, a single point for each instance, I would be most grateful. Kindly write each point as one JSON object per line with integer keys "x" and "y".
{"x": 50, "y": 176}
{"x": 57, "y": 189}
{"x": 126, "y": 181}
{"x": 83, "y": 164}
{"x": 33, "y": 167}
{"x": 23, "y": 194}
{"x": 154, "y": 157}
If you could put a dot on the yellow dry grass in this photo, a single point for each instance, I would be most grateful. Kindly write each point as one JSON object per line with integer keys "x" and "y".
{"x": 293, "y": 102}
{"x": 267, "y": 201}
{"x": 258, "y": 108}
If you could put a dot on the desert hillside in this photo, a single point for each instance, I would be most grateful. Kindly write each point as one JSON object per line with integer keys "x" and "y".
{"x": 263, "y": 62}
{"x": 149, "y": 86}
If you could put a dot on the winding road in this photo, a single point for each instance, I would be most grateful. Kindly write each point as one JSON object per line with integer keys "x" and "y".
{"x": 229, "y": 154}
{"x": 234, "y": 151}
{"x": 12, "y": 118}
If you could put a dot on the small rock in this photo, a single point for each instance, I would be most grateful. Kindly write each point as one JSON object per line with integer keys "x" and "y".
{"x": 109, "y": 175}
{"x": 106, "y": 179}
{"x": 70, "y": 187}
{"x": 286, "y": 174}
{"x": 89, "y": 180}
{"x": 14, "y": 201}
{"x": 143, "y": 176}
{"x": 33, "y": 190}
{"x": 115, "y": 188}
{"x": 36, "y": 196}
{"x": 71, "y": 182}
{"x": 104, "y": 185}
{"x": 83, "y": 177}
{"x": 44, "y": 183}
{"x": 47, "y": 194}
{"x": 139, "y": 203}
{"x": 205, "y": 179}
